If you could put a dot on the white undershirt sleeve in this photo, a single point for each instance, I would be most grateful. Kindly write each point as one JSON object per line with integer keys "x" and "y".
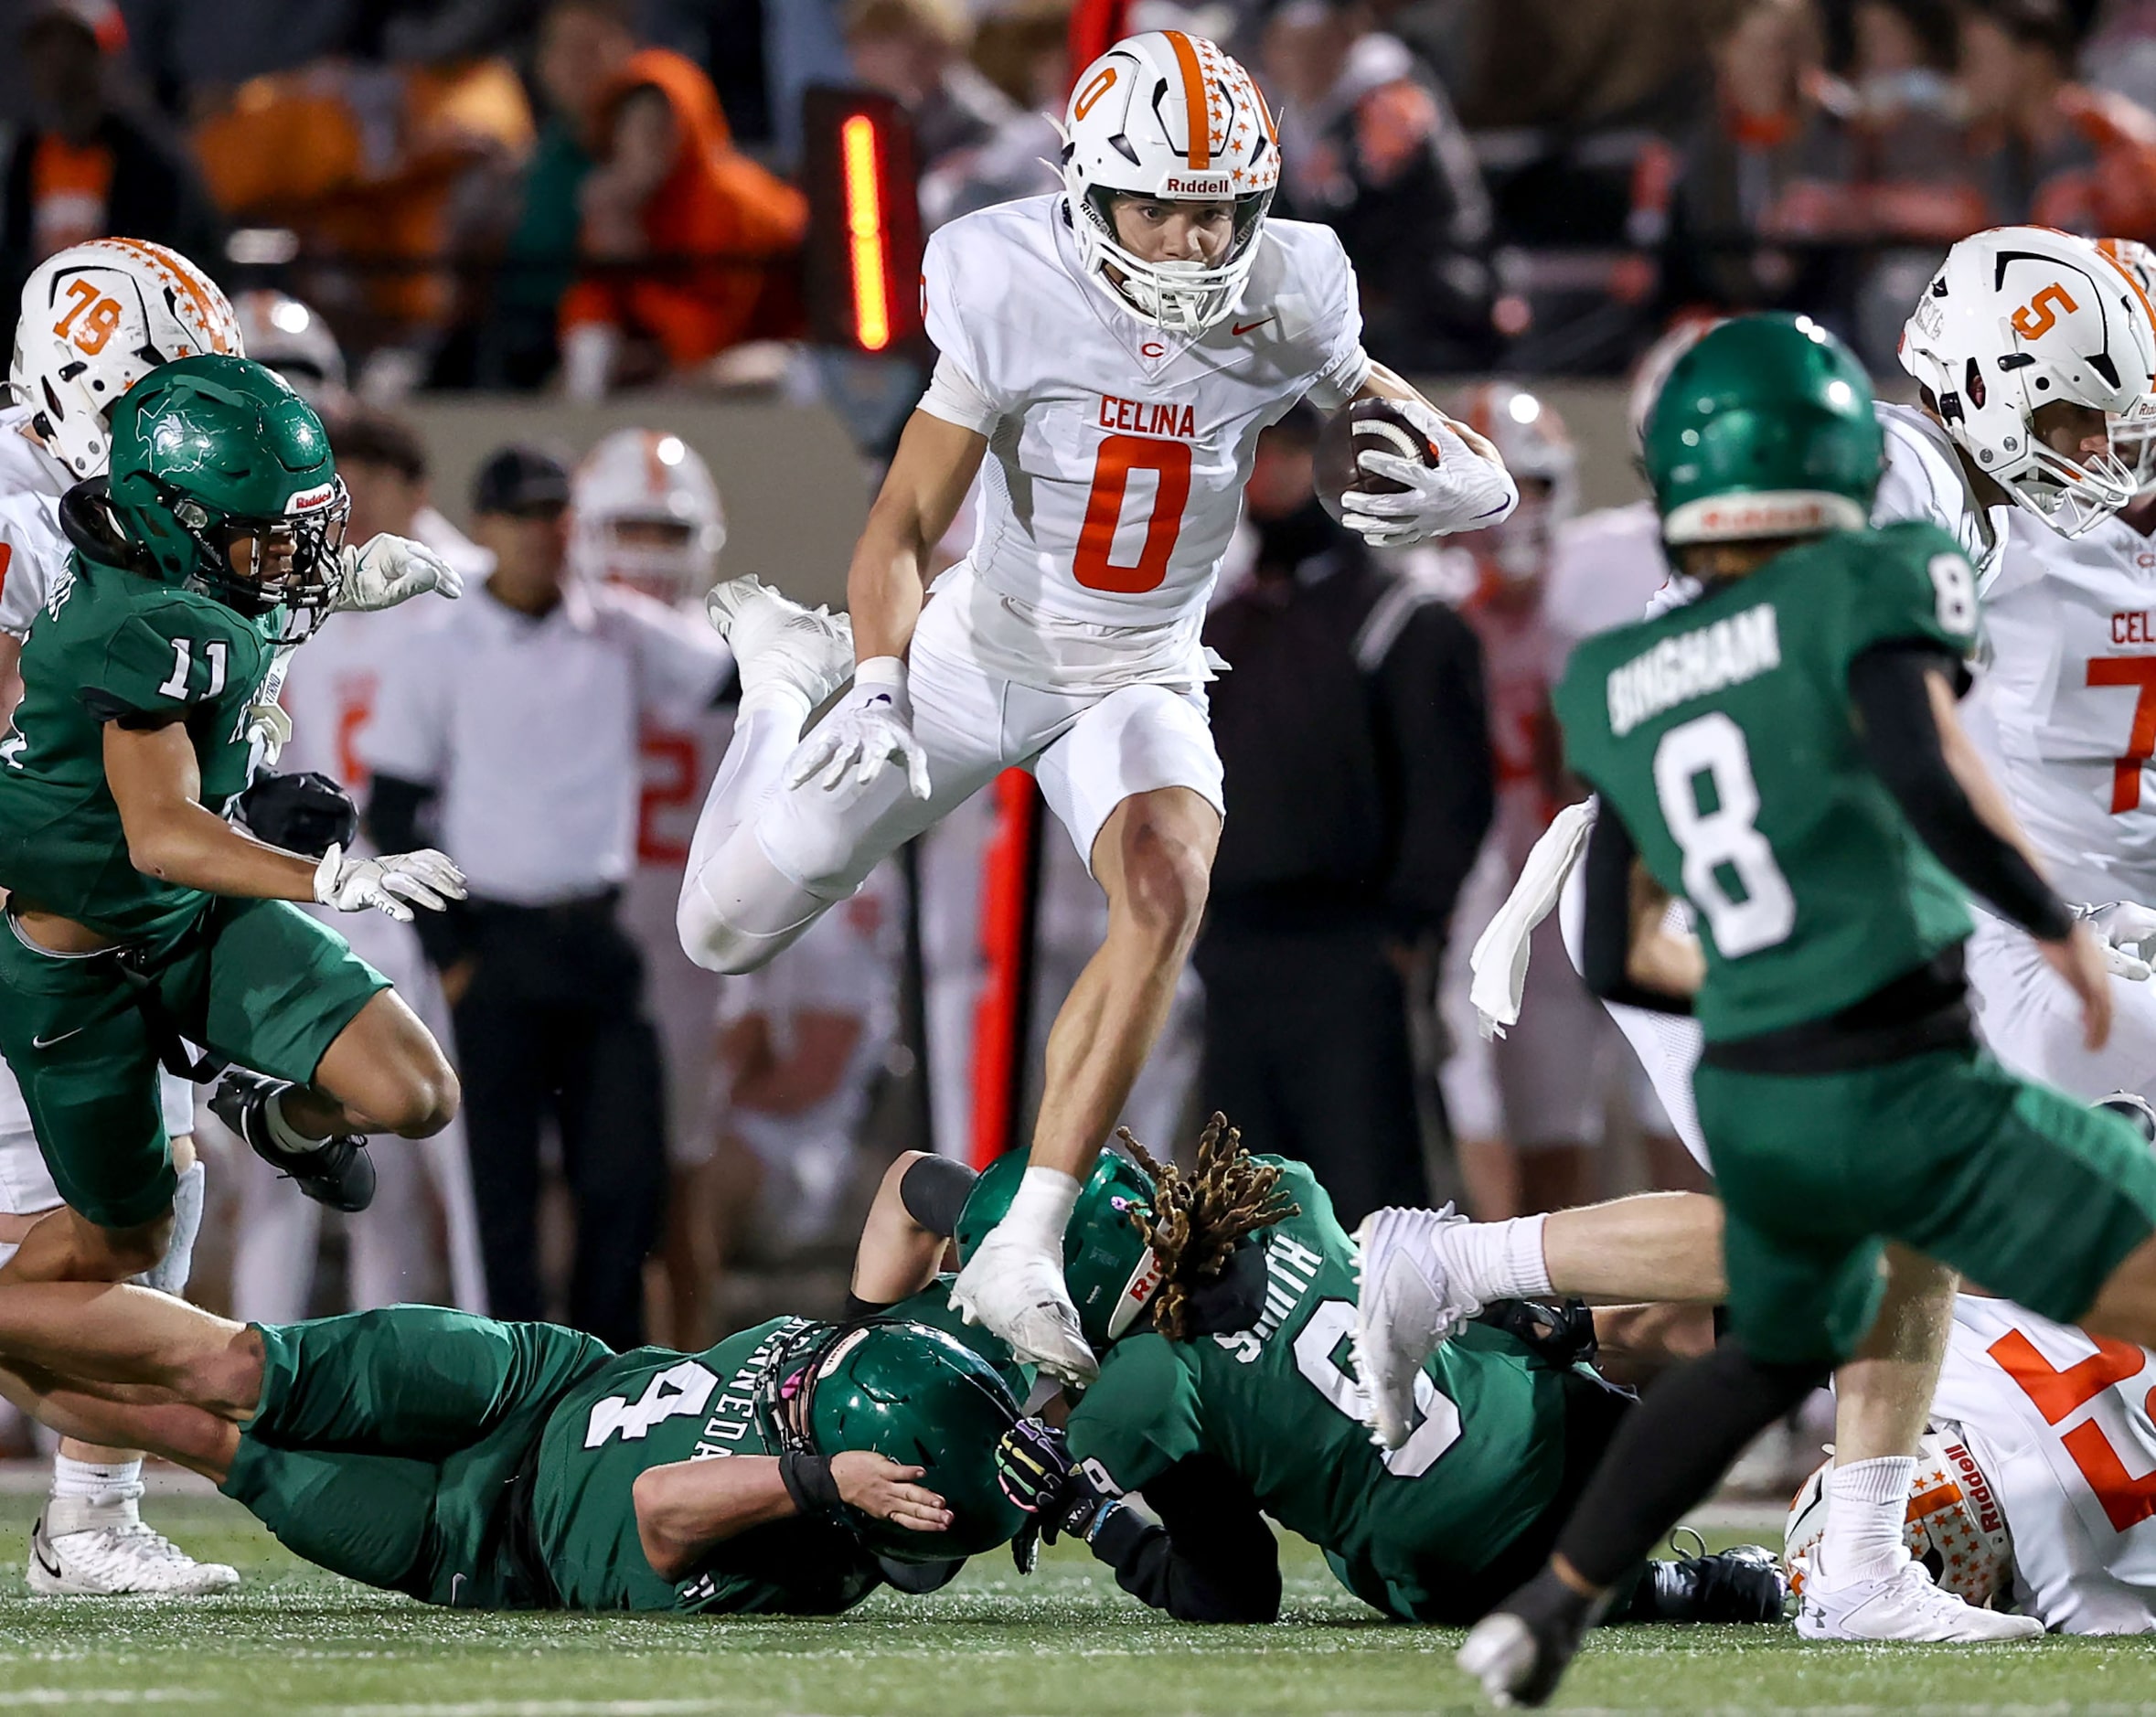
{"x": 1342, "y": 380}
{"x": 955, "y": 397}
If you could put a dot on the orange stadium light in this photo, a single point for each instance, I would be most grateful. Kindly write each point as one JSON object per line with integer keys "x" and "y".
{"x": 864, "y": 220}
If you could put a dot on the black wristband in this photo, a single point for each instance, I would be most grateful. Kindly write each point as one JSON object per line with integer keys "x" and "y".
{"x": 807, "y": 1480}
{"x": 934, "y": 1191}
{"x": 1120, "y": 1535}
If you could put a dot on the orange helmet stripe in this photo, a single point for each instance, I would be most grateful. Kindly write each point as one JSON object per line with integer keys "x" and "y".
{"x": 1194, "y": 109}
{"x": 189, "y": 281}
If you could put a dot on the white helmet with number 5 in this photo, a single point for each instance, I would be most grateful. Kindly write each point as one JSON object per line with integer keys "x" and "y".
{"x": 97, "y": 318}
{"x": 2022, "y": 317}
{"x": 647, "y": 514}
{"x": 1168, "y": 116}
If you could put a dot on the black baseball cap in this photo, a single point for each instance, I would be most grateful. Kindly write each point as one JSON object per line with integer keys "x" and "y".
{"x": 523, "y": 480}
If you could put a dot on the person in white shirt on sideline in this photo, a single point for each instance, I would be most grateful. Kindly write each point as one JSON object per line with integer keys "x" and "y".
{"x": 513, "y": 729}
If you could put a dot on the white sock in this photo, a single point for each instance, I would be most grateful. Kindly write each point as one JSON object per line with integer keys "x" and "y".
{"x": 1867, "y": 1511}
{"x": 764, "y": 735}
{"x": 286, "y": 1136}
{"x": 1497, "y": 1261}
{"x": 1041, "y": 1210}
{"x": 91, "y": 1493}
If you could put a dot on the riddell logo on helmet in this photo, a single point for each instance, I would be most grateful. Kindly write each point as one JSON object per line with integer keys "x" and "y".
{"x": 1212, "y": 185}
{"x": 307, "y": 500}
{"x": 1975, "y": 1488}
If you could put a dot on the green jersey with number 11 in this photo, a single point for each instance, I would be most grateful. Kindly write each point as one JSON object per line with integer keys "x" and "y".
{"x": 1722, "y": 734}
{"x": 114, "y": 646}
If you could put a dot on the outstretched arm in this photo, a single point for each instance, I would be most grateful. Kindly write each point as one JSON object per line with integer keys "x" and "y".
{"x": 685, "y": 1508}
{"x": 920, "y": 495}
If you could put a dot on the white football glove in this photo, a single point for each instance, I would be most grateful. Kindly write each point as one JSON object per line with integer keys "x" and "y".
{"x": 269, "y": 729}
{"x": 2125, "y": 931}
{"x": 872, "y": 726}
{"x": 1464, "y": 491}
{"x": 385, "y": 571}
{"x": 426, "y": 878}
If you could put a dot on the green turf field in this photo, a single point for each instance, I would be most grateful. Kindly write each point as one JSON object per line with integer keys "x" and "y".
{"x": 1066, "y": 1641}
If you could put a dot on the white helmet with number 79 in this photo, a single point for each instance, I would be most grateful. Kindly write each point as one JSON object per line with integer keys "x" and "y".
{"x": 2019, "y": 318}
{"x": 1170, "y": 117}
{"x": 97, "y": 318}
{"x": 646, "y": 514}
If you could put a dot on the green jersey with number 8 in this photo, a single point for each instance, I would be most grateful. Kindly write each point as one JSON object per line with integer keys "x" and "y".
{"x": 114, "y": 646}
{"x": 1409, "y": 1530}
{"x": 1722, "y": 733}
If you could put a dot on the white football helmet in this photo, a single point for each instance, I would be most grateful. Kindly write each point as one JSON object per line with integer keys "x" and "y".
{"x": 284, "y": 335}
{"x": 97, "y": 318}
{"x": 1167, "y": 116}
{"x": 1955, "y": 1527}
{"x": 1653, "y": 369}
{"x": 2018, "y": 317}
{"x": 1537, "y": 450}
{"x": 646, "y": 514}
{"x": 2133, "y": 439}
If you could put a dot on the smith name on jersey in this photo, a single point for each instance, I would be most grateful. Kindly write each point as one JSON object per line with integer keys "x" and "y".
{"x": 1117, "y": 453}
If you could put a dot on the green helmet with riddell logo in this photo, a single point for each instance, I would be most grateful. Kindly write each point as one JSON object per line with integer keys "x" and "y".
{"x": 212, "y": 449}
{"x": 1107, "y": 1264}
{"x": 1764, "y": 428}
{"x": 913, "y": 1395}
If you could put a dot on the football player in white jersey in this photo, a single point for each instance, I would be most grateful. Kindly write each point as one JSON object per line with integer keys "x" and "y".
{"x": 1108, "y": 356}
{"x": 647, "y": 514}
{"x": 95, "y": 319}
{"x": 2026, "y": 345}
{"x": 330, "y": 694}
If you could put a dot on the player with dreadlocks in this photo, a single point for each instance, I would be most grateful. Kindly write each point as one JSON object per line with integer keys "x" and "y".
{"x": 1222, "y": 1302}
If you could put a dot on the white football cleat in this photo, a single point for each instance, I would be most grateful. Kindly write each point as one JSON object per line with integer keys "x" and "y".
{"x": 777, "y": 641}
{"x": 1018, "y": 1293}
{"x": 127, "y": 1559}
{"x": 1407, "y": 1303}
{"x": 1903, "y": 1606}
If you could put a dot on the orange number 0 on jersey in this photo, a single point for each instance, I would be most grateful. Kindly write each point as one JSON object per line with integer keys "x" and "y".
{"x": 1118, "y": 457}
{"x": 2140, "y": 739}
{"x": 97, "y": 327}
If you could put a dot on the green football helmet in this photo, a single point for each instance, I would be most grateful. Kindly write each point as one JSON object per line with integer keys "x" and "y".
{"x": 1107, "y": 1264}
{"x": 913, "y": 1395}
{"x": 1763, "y": 428}
{"x": 211, "y": 449}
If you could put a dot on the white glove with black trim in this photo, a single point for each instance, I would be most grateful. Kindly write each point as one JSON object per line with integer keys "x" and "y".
{"x": 872, "y": 726}
{"x": 1464, "y": 490}
{"x": 2125, "y": 931}
{"x": 385, "y": 571}
{"x": 426, "y": 878}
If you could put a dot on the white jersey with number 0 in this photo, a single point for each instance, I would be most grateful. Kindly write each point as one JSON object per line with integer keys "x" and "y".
{"x": 2059, "y": 1423}
{"x": 1117, "y": 453}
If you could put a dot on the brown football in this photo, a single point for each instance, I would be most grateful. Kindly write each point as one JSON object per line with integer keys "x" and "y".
{"x": 1377, "y": 425}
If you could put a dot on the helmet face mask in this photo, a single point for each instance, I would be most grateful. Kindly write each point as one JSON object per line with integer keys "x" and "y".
{"x": 2020, "y": 317}
{"x": 1170, "y": 118}
{"x": 254, "y": 565}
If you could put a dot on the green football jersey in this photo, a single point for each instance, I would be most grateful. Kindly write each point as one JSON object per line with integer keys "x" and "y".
{"x": 1722, "y": 734}
{"x": 107, "y": 645}
{"x": 1277, "y": 1405}
{"x": 650, "y": 1408}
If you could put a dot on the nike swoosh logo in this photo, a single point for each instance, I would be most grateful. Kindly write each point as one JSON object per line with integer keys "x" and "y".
{"x": 37, "y": 1549}
{"x": 1242, "y": 328}
{"x": 45, "y": 1043}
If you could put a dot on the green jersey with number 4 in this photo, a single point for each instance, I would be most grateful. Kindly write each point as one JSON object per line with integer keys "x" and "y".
{"x": 1722, "y": 734}
{"x": 113, "y": 645}
{"x": 1411, "y": 1528}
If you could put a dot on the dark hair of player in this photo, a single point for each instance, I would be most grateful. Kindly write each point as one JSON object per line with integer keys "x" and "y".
{"x": 1198, "y": 1218}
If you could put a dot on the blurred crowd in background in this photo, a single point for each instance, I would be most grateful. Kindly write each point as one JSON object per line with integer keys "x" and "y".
{"x": 597, "y": 194}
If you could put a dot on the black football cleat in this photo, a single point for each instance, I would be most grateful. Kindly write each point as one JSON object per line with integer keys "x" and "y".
{"x": 1520, "y": 1651}
{"x": 337, "y": 1172}
{"x": 1745, "y": 1585}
